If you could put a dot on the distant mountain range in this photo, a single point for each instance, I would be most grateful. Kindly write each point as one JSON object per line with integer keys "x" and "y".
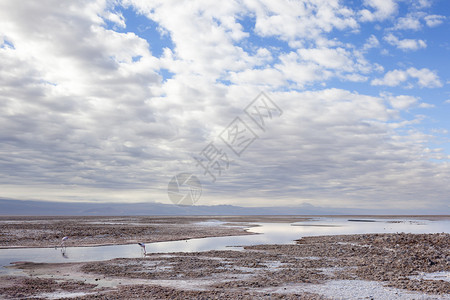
{"x": 47, "y": 208}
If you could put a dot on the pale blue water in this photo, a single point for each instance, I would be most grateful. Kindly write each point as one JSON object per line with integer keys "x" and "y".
{"x": 269, "y": 233}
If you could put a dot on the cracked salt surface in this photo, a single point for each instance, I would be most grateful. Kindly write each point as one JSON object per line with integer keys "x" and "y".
{"x": 354, "y": 290}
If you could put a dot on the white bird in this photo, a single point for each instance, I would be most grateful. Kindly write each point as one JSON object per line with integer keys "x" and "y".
{"x": 63, "y": 241}
{"x": 142, "y": 247}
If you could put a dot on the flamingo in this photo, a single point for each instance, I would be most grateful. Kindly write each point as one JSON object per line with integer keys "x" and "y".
{"x": 63, "y": 242}
{"x": 142, "y": 247}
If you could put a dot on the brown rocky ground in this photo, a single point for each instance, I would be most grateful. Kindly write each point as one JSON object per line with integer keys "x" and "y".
{"x": 258, "y": 272}
{"x": 389, "y": 258}
{"x": 25, "y": 287}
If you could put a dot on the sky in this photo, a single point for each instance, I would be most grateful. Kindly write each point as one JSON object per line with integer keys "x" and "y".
{"x": 266, "y": 103}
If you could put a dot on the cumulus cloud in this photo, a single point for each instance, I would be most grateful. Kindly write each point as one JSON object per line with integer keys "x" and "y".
{"x": 402, "y": 102}
{"x": 116, "y": 18}
{"x": 382, "y": 9}
{"x": 434, "y": 20}
{"x": 69, "y": 102}
{"x": 337, "y": 58}
{"x": 310, "y": 65}
{"x": 422, "y": 3}
{"x": 405, "y": 44}
{"x": 413, "y": 21}
{"x": 426, "y": 105}
{"x": 425, "y": 78}
{"x": 371, "y": 42}
{"x": 410, "y": 22}
{"x": 306, "y": 20}
{"x": 342, "y": 143}
{"x": 88, "y": 114}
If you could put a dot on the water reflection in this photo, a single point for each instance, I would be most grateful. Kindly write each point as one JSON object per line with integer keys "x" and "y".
{"x": 333, "y": 226}
{"x": 268, "y": 233}
{"x": 64, "y": 253}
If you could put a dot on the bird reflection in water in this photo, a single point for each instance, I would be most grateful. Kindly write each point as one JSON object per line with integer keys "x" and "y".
{"x": 64, "y": 253}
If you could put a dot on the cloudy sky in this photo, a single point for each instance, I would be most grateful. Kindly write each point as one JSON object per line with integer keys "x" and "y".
{"x": 108, "y": 100}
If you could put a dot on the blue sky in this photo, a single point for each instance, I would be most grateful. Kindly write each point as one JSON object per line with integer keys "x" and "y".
{"x": 108, "y": 100}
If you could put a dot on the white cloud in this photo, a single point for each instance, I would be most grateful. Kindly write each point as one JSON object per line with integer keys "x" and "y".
{"x": 383, "y": 9}
{"x": 405, "y": 44}
{"x": 425, "y": 78}
{"x": 342, "y": 142}
{"x": 75, "y": 85}
{"x": 299, "y": 72}
{"x": 300, "y": 20}
{"x": 422, "y": 3}
{"x": 434, "y": 20}
{"x": 410, "y": 22}
{"x": 355, "y": 78}
{"x": 402, "y": 102}
{"x": 328, "y": 58}
{"x": 116, "y": 18}
{"x": 314, "y": 64}
{"x": 392, "y": 78}
{"x": 371, "y": 42}
{"x": 259, "y": 77}
{"x": 426, "y": 105}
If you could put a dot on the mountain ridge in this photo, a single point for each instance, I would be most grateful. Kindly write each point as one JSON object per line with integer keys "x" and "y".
{"x": 11, "y": 207}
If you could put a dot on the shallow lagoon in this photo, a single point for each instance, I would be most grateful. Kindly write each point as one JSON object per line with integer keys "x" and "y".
{"x": 267, "y": 233}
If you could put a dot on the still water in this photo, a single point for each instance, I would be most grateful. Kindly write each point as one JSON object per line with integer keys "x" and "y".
{"x": 268, "y": 233}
